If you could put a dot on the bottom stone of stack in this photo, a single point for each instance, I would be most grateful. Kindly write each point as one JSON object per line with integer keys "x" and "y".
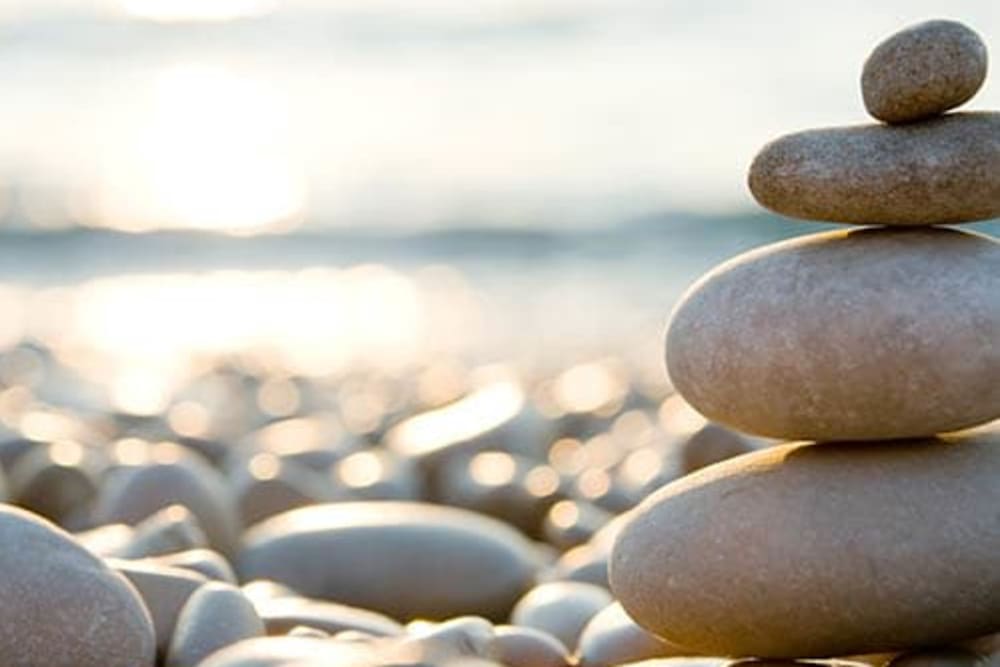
{"x": 818, "y": 550}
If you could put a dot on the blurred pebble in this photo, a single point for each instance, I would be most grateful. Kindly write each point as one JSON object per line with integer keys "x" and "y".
{"x": 570, "y": 523}
{"x": 377, "y": 474}
{"x": 173, "y": 477}
{"x": 265, "y": 485}
{"x": 281, "y": 614}
{"x": 941, "y": 657}
{"x": 289, "y": 652}
{"x": 585, "y": 563}
{"x": 53, "y": 590}
{"x": 107, "y": 540}
{"x": 164, "y": 590}
{"x": 562, "y": 609}
{"x": 166, "y": 531}
{"x": 612, "y": 637}
{"x": 406, "y": 560}
{"x": 315, "y": 633}
{"x": 210, "y": 564}
{"x": 56, "y": 480}
{"x": 517, "y": 646}
{"x": 260, "y": 590}
{"x": 215, "y": 616}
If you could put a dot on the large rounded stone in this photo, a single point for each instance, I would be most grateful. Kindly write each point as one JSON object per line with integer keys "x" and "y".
{"x": 945, "y": 170}
{"x": 62, "y": 607}
{"x": 866, "y": 335}
{"x": 402, "y": 559}
{"x": 923, "y": 71}
{"x": 806, "y": 550}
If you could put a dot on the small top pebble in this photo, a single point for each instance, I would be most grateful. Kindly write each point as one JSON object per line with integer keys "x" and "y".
{"x": 923, "y": 71}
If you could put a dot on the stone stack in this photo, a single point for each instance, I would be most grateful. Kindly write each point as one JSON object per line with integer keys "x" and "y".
{"x": 880, "y": 534}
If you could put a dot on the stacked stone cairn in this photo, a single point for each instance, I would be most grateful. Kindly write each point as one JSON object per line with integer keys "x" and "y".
{"x": 874, "y": 532}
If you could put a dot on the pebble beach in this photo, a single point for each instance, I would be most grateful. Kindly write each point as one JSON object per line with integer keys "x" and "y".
{"x": 809, "y": 473}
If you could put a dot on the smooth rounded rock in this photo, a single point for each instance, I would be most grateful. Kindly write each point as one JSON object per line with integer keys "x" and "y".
{"x": 210, "y": 564}
{"x": 517, "y": 646}
{"x": 287, "y": 651}
{"x": 62, "y": 607}
{"x": 612, "y": 638}
{"x": 282, "y": 614}
{"x": 863, "y": 335}
{"x": 164, "y": 590}
{"x": 816, "y": 550}
{"x": 941, "y": 171}
{"x": 217, "y": 615}
{"x": 561, "y": 608}
{"x": 403, "y": 559}
{"x": 923, "y": 71}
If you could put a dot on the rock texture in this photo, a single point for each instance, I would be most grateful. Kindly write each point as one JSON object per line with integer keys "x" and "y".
{"x": 937, "y": 172}
{"x": 820, "y": 550}
{"x": 62, "y": 607}
{"x": 923, "y": 71}
{"x": 872, "y": 334}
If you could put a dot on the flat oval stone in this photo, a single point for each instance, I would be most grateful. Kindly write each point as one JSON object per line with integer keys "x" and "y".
{"x": 806, "y": 550}
{"x": 923, "y": 71}
{"x": 61, "y": 605}
{"x": 864, "y": 335}
{"x": 942, "y": 171}
{"x": 402, "y": 559}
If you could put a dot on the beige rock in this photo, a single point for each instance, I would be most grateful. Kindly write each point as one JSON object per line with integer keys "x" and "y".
{"x": 941, "y": 171}
{"x": 403, "y": 559}
{"x": 561, "y": 608}
{"x": 164, "y": 590}
{"x": 870, "y": 334}
{"x": 612, "y": 638}
{"x": 819, "y": 550}
{"x": 923, "y": 71}
{"x": 282, "y": 614}
{"x": 216, "y": 615}
{"x": 62, "y": 607}
{"x": 517, "y": 646}
{"x": 291, "y": 652}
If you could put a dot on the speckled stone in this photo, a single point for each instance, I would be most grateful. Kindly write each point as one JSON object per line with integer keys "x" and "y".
{"x": 216, "y": 615}
{"x": 808, "y": 550}
{"x": 863, "y": 335}
{"x": 941, "y": 171}
{"x": 561, "y": 608}
{"x": 62, "y": 607}
{"x": 403, "y": 559}
{"x": 923, "y": 71}
{"x": 612, "y": 638}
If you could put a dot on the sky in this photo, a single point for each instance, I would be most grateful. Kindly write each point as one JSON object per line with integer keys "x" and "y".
{"x": 257, "y": 115}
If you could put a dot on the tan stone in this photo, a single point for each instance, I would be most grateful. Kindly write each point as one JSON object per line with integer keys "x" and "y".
{"x": 62, "y": 607}
{"x": 403, "y": 559}
{"x": 923, "y": 71}
{"x": 807, "y": 550}
{"x": 870, "y": 334}
{"x": 215, "y": 616}
{"x": 941, "y": 171}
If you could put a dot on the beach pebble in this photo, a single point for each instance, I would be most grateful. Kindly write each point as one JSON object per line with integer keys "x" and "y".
{"x": 403, "y": 559}
{"x": 612, "y": 637}
{"x": 517, "y": 646}
{"x": 291, "y": 651}
{"x": 164, "y": 590}
{"x": 870, "y": 334}
{"x": 561, "y": 608}
{"x": 807, "y": 550}
{"x": 62, "y": 607}
{"x": 941, "y": 171}
{"x": 169, "y": 530}
{"x": 57, "y": 481}
{"x": 570, "y": 523}
{"x": 281, "y": 614}
{"x": 215, "y": 616}
{"x": 210, "y": 564}
{"x": 173, "y": 477}
{"x": 265, "y": 485}
{"x": 923, "y": 71}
